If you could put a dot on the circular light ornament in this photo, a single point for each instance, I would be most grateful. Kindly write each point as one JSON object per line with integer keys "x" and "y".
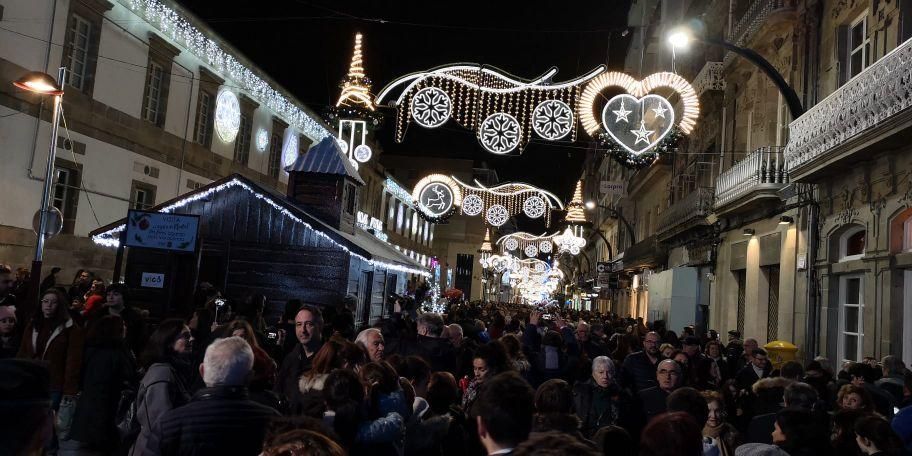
{"x": 574, "y": 250}
{"x": 500, "y": 133}
{"x": 262, "y": 140}
{"x": 227, "y": 116}
{"x": 437, "y": 196}
{"x": 531, "y": 250}
{"x": 511, "y": 244}
{"x": 539, "y": 267}
{"x": 552, "y": 119}
{"x": 534, "y": 207}
{"x": 545, "y": 246}
{"x": 342, "y": 145}
{"x": 363, "y": 153}
{"x": 290, "y": 149}
{"x": 431, "y": 107}
{"x": 497, "y": 215}
{"x": 472, "y": 205}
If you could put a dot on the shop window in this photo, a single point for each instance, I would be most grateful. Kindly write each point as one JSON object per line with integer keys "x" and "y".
{"x": 852, "y": 244}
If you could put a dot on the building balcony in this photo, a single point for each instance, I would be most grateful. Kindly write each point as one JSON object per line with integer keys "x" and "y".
{"x": 760, "y": 13}
{"x": 710, "y": 77}
{"x": 868, "y": 112}
{"x": 757, "y": 178}
{"x": 685, "y": 214}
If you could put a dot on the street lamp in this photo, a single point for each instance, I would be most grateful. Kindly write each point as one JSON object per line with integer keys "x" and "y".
{"x": 590, "y": 205}
{"x": 681, "y": 37}
{"x": 44, "y": 84}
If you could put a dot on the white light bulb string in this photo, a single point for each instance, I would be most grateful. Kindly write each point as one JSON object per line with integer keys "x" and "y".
{"x": 108, "y": 239}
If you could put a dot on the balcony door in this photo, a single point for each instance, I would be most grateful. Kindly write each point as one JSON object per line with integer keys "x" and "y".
{"x": 851, "y": 317}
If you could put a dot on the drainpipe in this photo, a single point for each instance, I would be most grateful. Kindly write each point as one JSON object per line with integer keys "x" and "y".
{"x": 813, "y": 312}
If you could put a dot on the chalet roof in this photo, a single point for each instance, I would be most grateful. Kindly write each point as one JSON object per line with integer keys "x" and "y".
{"x": 364, "y": 247}
{"x": 325, "y": 157}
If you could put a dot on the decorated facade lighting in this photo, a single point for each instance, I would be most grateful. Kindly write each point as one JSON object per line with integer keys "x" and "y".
{"x": 497, "y": 204}
{"x": 172, "y": 23}
{"x": 502, "y": 109}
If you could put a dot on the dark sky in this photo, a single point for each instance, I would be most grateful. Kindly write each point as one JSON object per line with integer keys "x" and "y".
{"x": 306, "y": 47}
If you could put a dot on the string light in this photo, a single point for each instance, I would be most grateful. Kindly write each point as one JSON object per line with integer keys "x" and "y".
{"x": 356, "y": 87}
{"x": 179, "y": 29}
{"x": 576, "y": 212}
{"x": 398, "y": 191}
{"x": 109, "y": 238}
{"x": 502, "y": 109}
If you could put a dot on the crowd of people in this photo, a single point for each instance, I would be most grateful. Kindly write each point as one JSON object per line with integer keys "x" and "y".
{"x": 87, "y": 373}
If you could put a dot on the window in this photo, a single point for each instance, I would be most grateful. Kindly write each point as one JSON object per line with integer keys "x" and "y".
{"x": 142, "y": 196}
{"x": 351, "y": 195}
{"x": 204, "y": 119}
{"x": 242, "y": 144}
{"x": 852, "y": 244}
{"x": 154, "y": 85}
{"x": 275, "y": 154}
{"x": 859, "y": 45}
{"x": 391, "y": 210}
{"x": 65, "y": 193}
{"x": 399, "y": 215}
{"x": 79, "y": 38}
{"x": 851, "y": 323}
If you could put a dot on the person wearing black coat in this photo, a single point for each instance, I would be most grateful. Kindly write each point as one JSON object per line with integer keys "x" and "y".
{"x": 599, "y": 401}
{"x": 220, "y": 419}
{"x": 308, "y": 333}
{"x": 653, "y": 400}
{"x": 429, "y": 343}
{"x": 108, "y": 368}
{"x": 639, "y": 368}
{"x": 757, "y": 368}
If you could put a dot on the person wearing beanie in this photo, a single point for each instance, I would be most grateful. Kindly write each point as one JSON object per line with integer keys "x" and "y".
{"x": 902, "y": 426}
{"x": 9, "y": 335}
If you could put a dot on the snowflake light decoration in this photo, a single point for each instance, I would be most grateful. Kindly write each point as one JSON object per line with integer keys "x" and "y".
{"x": 472, "y": 205}
{"x": 534, "y": 207}
{"x": 431, "y": 107}
{"x": 545, "y": 246}
{"x": 363, "y": 153}
{"x": 497, "y": 215}
{"x": 531, "y": 250}
{"x": 539, "y": 267}
{"x": 227, "y": 116}
{"x": 511, "y": 244}
{"x": 290, "y": 150}
{"x": 552, "y": 119}
{"x": 500, "y": 133}
{"x": 262, "y": 140}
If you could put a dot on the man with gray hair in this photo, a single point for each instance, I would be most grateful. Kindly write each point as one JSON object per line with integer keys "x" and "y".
{"x": 371, "y": 341}
{"x": 653, "y": 400}
{"x": 893, "y": 380}
{"x": 220, "y": 419}
{"x": 599, "y": 400}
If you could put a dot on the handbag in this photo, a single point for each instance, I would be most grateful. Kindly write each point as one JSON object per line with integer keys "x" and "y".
{"x": 65, "y": 414}
{"x": 125, "y": 419}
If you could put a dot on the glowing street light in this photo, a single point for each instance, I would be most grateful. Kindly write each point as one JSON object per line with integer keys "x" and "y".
{"x": 40, "y": 83}
{"x": 680, "y": 37}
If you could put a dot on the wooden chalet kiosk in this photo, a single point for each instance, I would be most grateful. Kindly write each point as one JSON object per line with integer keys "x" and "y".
{"x": 300, "y": 245}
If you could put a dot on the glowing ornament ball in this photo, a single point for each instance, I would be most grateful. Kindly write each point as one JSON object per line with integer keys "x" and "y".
{"x": 262, "y": 140}
{"x": 227, "y": 116}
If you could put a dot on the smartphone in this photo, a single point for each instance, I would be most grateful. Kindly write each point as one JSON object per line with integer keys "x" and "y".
{"x": 219, "y": 308}
{"x": 272, "y": 335}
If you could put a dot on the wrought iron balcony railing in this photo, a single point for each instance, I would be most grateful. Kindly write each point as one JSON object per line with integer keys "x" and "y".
{"x": 866, "y": 106}
{"x": 710, "y": 77}
{"x": 755, "y": 16}
{"x": 763, "y": 170}
{"x": 686, "y": 213}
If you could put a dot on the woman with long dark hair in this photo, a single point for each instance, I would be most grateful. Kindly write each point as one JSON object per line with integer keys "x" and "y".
{"x": 107, "y": 367}
{"x": 336, "y": 353}
{"x": 165, "y": 385}
{"x": 489, "y": 360}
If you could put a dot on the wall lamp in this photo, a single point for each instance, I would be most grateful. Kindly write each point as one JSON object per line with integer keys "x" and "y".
{"x": 749, "y": 231}
{"x": 786, "y": 220}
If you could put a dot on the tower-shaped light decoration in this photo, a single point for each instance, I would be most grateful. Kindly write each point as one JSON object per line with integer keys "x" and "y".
{"x": 486, "y": 250}
{"x": 572, "y": 239}
{"x": 355, "y": 112}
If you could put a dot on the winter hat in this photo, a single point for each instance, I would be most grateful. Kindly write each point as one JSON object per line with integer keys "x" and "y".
{"x": 902, "y": 425}
{"x": 759, "y": 449}
{"x": 7, "y": 312}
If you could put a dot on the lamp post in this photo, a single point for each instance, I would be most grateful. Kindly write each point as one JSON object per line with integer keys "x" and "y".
{"x": 682, "y": 36}
{"x": 44, "y": 84}
{"x": 614, "y": 214}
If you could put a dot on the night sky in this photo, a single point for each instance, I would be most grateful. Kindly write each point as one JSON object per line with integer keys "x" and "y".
{"x": 306, "y": 47}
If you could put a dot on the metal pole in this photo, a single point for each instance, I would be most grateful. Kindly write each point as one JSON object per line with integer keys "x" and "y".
{"x": 813, "y": 324}
{"x": 46, "y": 195}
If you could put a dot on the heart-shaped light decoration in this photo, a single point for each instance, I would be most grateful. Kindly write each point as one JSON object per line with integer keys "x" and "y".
{"x": 686, "y": 118}
{"x": 638, "y": 124}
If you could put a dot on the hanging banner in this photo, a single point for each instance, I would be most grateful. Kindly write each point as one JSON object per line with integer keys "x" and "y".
{"x": 155, "y": 230}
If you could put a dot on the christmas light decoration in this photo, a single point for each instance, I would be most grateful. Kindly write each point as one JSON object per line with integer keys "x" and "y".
{"x": 262, "y": 139}
{"x": 571, "y": 240}
{"x": 511, "y": 244}
{"x": 470, "y": 94}
{"x": 649, "y": 109}
{"x": 174, "y": 26}
{"x": 356, "y": 87}
{"x": 576, "y": 212}
{"x": 227, "y": 116}
{"x": 510, "y": 199}
{"x": 363, "y": 153}
{"x": 531, "y": 250}
{"x": 522, "y": 240}
{"x": 290, "y": 149}
{"x": 437, "y": 197}
{"x": 110, "y": 238}
{"x": 398, "y": 191}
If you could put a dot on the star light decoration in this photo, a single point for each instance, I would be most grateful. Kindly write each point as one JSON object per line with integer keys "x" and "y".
{"x": 497, "y": 203}
{"x": 489, "y": 101}
{"x": 637, "y": 126}
{"x": 177, "y": 28}
{"x": 110, "y": 238}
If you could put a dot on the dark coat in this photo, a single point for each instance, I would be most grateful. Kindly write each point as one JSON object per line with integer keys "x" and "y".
{"x": 105, "y": 372}
{"x": 293, "y": 367}
{"x": 584, "y": 400}
{"x": 63, "y": 353}
{"x": 218, "y": 421}
{"x": 760, "y": 429}
{"x": 437, "y": 351}
{"x": 746, "y": 377}
{"x": 638, "y": 372}
{"x": 652, "y": 403}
